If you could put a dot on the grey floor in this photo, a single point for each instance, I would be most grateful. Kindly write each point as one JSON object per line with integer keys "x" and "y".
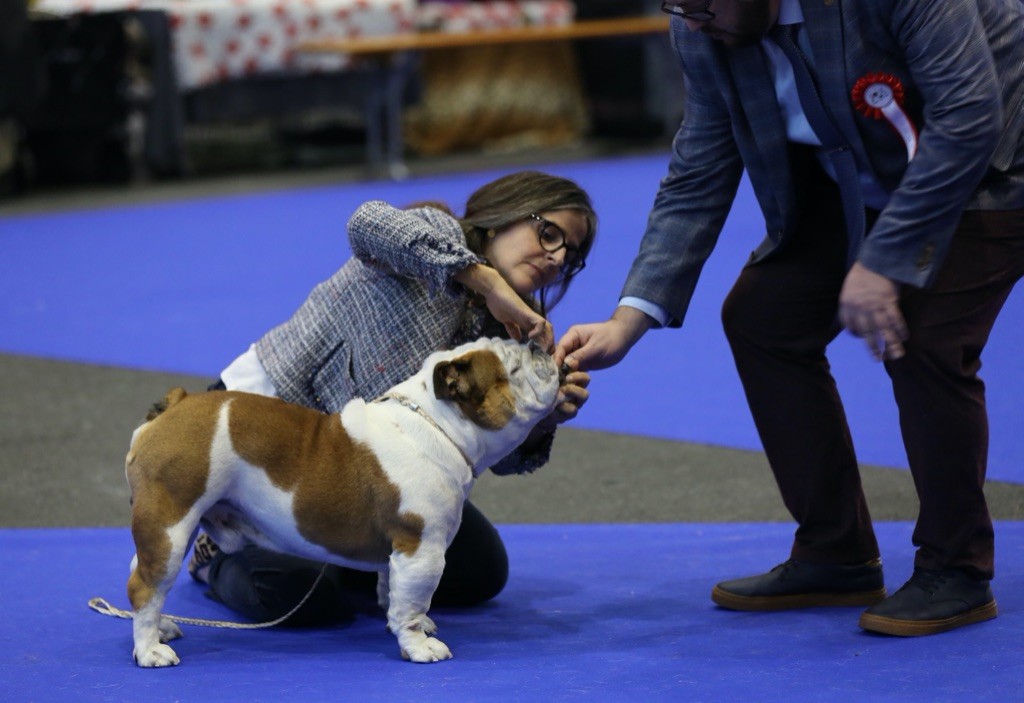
{"x": 64, "y": 430}
{"x": 64, "y": 427}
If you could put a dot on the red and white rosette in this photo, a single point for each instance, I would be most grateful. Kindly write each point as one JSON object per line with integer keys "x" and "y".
{"x": 880, "y": 95}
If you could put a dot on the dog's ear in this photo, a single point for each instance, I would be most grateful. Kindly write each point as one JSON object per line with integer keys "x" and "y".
{"x": 450, "y": 380}
{"x": 478, "y": 383}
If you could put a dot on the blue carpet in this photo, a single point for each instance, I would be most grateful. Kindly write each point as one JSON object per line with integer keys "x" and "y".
{"x": 186, "y": 286}
{"x": 578, "y": 621}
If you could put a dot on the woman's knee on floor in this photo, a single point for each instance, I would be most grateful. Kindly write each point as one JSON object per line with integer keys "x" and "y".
{"x": 476, "y": 563}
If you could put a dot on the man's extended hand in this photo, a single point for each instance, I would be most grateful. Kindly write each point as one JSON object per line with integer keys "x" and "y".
{"x": 602, "y": 344}
{"x": 869, "y": 308}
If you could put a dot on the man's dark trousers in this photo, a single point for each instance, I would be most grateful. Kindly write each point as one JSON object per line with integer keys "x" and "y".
{"x": 780, "y": 316}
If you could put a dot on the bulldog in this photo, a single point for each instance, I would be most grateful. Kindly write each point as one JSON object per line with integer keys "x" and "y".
{"x": 378, "y": 487}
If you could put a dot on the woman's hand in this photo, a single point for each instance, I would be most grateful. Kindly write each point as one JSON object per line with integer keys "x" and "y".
{"x": 603, "y": 344}
{"x": 520, "y": 320}
{"x": 572, "y": 394}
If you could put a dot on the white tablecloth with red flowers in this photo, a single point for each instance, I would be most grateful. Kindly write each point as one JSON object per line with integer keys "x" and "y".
{"x": 218, "y": 40}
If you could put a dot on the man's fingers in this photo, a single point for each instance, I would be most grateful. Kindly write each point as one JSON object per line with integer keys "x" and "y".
{"x": 869, "y": 308}
{"x": 893, "y": 342}
{"x": 876, "y": 344}
{"x": 896, "y": 325}
{"x": 569, "y": 343}
{"x": 884, "y": 332}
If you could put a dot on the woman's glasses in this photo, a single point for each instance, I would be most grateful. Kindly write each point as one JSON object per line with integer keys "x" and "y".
{"x": 552, "y": 238}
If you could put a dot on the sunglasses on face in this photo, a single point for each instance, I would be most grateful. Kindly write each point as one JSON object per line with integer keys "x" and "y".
{"x": 552, "y": 238}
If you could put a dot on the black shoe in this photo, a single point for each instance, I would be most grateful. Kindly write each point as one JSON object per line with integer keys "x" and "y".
{"x": 799, "y": 584}
{"x": 932, "y": 602}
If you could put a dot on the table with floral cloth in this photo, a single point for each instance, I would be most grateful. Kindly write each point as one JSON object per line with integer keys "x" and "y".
{"x": 218, "y": 40}
{"x": 211, "y": 42}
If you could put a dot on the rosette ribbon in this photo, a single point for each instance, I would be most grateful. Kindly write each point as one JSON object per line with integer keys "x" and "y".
{"x": 880, "y": 95}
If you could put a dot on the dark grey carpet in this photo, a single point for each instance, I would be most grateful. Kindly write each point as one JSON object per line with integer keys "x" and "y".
{"x": 65, "y": 427}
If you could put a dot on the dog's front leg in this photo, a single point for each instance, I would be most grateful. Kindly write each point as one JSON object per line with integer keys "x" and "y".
{"x": 384, "y": 597}
{"x": 413, "y": 579}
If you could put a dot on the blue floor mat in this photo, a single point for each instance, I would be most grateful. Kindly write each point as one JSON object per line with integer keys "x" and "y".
{"x": 591, "y": 612}
{"x": 186, "y": 286}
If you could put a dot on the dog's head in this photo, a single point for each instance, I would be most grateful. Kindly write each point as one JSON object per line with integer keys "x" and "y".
{"x": 501, "y": 386}
{"x": 496, "y": 381}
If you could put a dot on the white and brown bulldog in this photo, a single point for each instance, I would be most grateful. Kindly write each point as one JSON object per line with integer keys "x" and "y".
{"x": 379, "y": 486}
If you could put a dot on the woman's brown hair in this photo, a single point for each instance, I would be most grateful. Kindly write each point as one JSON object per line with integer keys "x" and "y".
{"x": 513, "y": 198}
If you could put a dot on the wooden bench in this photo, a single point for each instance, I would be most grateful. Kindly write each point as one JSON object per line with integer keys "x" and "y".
{"x": 390, "y": 56}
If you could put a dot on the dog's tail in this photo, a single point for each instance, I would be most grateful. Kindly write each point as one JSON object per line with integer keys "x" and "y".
{"x": 173, "y": 396}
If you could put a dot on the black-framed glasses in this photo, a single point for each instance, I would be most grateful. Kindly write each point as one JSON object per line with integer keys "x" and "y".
{"x": 552, "y": 238}
{"x": 700, "y": 14}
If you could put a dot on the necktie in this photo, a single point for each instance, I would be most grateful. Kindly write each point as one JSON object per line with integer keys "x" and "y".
{"x": 836, "y": 148}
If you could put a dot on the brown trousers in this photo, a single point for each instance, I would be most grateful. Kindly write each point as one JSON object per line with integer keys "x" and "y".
{"x": 779, "y": 318}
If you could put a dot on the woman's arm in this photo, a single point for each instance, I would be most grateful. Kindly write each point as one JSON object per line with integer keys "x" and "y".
{"x": 423, "y": 243}
{"x": 521, "y": 321}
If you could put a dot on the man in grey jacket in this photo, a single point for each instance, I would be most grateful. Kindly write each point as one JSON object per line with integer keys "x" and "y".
{"x": 883, "y": 139}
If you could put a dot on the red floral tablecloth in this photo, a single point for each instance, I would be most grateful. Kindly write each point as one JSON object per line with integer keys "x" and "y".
{"x": 217, "y": 40}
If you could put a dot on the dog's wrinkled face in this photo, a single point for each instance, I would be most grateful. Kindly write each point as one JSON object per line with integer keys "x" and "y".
{"x": 496, "y": 381}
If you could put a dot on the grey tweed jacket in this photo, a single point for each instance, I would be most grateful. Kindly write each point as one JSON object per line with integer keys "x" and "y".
{"x": 961, "y": 63}
{"x": 371, "y": 324}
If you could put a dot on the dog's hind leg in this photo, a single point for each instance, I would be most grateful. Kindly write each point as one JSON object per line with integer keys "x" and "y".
{"x": 156, "y": 566}
{"x": 169, "y": 630}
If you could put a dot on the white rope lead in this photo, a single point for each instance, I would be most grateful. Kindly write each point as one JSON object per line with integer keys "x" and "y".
{"x": 102, "y": 607}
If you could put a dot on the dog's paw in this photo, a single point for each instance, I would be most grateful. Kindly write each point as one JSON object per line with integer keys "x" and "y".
{"x": 159, "y": 655}
{"x": 430, "y": 649}
{"x": 169, "y": 630}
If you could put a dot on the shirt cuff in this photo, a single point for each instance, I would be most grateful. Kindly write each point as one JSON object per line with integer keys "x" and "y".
{"x": 652, "y": 310}
{"x": 246, "y": 373}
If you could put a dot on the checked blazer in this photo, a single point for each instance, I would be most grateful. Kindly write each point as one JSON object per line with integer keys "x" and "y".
{"x": 961, "y": 63}
{"x": 371, "y": 324}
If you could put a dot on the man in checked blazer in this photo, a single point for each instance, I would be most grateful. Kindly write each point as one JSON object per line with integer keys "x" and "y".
{"x": 923, "y": 145}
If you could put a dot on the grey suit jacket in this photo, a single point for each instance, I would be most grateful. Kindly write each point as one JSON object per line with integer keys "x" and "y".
{"x": 962, "y": 65}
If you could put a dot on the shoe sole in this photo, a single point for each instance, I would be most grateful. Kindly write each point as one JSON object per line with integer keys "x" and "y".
{"x": 733, "y": 601}
{"x": 917, "y": 628}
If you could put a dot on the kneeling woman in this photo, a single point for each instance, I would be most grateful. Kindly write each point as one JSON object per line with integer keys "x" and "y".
{"x": 420, "y": 279}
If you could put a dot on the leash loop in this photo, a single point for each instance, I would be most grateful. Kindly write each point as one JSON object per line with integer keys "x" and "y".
{"x": 102, "y": 607}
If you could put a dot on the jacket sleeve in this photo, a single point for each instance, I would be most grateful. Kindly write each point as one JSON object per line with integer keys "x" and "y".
{"x": 947, "y": 53}
{"x": 523, "y": 461}
{"x": 422, "y": 243}
{"x": 690, "y": 208}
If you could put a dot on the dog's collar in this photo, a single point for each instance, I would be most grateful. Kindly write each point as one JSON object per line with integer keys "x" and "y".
{"x": 418, "y": 409}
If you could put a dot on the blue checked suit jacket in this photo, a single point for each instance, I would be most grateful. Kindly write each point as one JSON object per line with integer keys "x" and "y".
{"x": 962, "y": 65}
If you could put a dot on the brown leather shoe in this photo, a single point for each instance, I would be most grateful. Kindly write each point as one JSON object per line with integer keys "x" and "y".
{"x": 798, "y": 584}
